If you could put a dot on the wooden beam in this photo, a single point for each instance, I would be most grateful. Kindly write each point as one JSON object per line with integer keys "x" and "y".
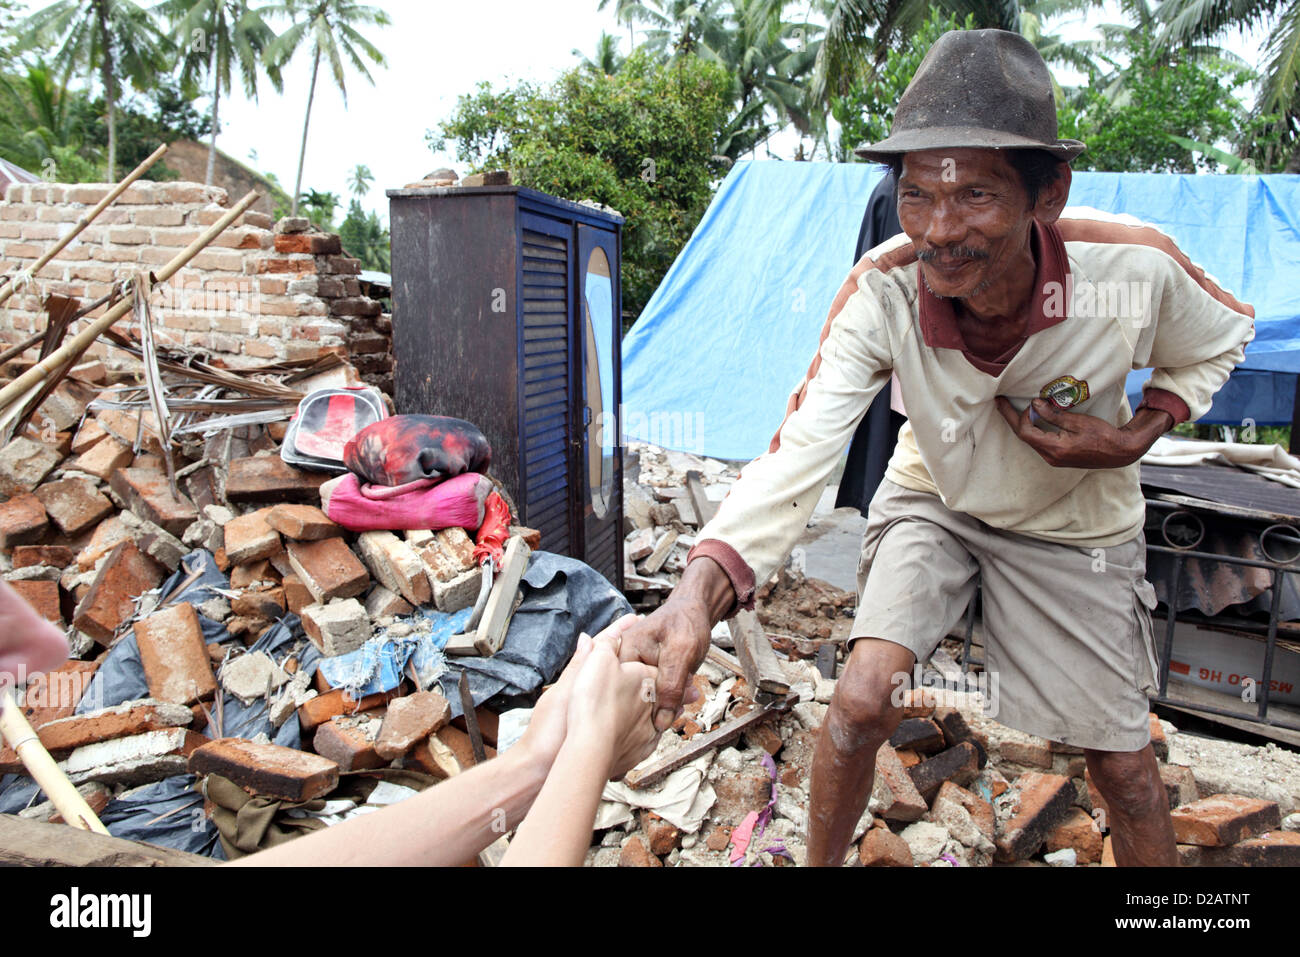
{"x": 762, "y": 670}
{"x": 705, "y": 508}
{"x": 724, "y": 733}
{"x": 27, "y": 843}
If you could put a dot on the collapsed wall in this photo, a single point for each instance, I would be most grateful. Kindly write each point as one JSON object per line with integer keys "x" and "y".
{"x": 261, "y": 291}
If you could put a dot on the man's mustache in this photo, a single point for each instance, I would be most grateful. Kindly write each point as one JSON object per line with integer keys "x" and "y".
{"x": 957, "y": 252}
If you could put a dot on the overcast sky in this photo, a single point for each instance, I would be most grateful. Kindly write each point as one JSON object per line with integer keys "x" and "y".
{"x": 436, "y": 51}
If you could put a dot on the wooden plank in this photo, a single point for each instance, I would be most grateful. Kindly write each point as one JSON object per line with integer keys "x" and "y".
{"x": 724, "y": 659}
{"x": 762, "y": 670}
{"x": 724, "y": 733}
{"x": 492, "y": 629}
{"x": 27, "y": 843}
{"x": 704, "y": 508}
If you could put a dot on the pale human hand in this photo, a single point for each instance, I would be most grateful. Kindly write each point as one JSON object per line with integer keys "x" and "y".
{"x": 610, "y": 708}
{"x": 546, "y": 729}
{"x": 28, "y": 643}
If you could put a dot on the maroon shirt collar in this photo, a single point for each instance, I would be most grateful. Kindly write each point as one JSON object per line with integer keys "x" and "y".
{"x": 939, "y": 321}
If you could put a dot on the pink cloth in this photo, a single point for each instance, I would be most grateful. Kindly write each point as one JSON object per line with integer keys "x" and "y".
{"x": 422, "y": 504}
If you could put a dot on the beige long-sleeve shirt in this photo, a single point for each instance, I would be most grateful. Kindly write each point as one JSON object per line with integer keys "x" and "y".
{"x": 1131, "y": 300}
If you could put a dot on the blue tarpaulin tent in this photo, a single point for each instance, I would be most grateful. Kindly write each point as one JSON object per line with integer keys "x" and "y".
{"x": 730, "y": 331}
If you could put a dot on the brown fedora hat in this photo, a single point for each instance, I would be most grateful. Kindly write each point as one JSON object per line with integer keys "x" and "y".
{"x": 976, "y": 88}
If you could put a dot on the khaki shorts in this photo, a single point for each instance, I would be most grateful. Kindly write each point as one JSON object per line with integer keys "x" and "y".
{"x": 1070, "y": 650}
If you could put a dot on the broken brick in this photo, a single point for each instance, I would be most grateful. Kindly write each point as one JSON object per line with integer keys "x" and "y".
{"x": 409, "y": 720}
{"x": 1045, "y": 800}
{"x": 125, "y": 426}
{"x": 119, "y": 721}
{"x": 250, "y": 573}
{"x": 126, "y": 574}
{"x": 103, "y": 459}
{"x": 296, "y": 595}
{"x": 322, "y": 708}
{"x": 488, "y": 724}
{"x": 147, "y": 493}
{"x": 459, "y": 743}
{"x": 881, "y": 847}
{"x": 265, "y": 603}
{"x": 1077, "y": 831}
{"x": 662, "y": 836}
{"x": 1272, "y": 849}
{"x": 88, "y": 436}
{"x": 56, "y": 693}
{"x": 43, "y": 596}
{"x": 263, "y": 478}
{"x": 349, "y": 742}
{"x": 635, "y": 854}
{"x": 57, "y": 556}
{"x": 435, "y": 758}
{"x": 1223, "y": 819}
{"x": 268, "y": 769}
{"x": 24, "y": 465}
{"x": 302, "y": 523}
{"x": 894, "y": 788}
{"x": 338, "y": 627}
{"x": 328, "y": 568}
{"x": 380, "y": 603}
{"x": 922, "y": 735}
{"x": 959, "y": 764}
{"x": 175, "y": 656}
{"x": 980, "y": 810}
{"x": 532, "y": 537}
{"x": 396, "y": 565}
{"x": 22, "y": 520}
{"x": 137, "y": 759}
{"x": 107, "y": 535}
{"x": 74, "y": 504}
{"x": 250, "y": 537}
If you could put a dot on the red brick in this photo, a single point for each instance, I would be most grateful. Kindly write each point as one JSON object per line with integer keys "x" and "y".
{"x": 103, "y": 459}
{"x": 43, "y": 596}
{"x": 265, "y": 603}
{"x": 24, "y": 464}
{"x": 133, "y": 717}
{"x": 635, "y": 854}
{"x": 126, "y": 426}
{"x": 959, "y": 764}
{"x": 1223, "y": 819}
{"x": 1045, "y": 800}
{"x": 434, "y": 758}
{"x": 175, "y": 656}
{"x": 345, "y": 741}
{"x": 268, "y": 478}
{"x": 488, "y": 724}
{"x": 1180, "y": 784}
{"x": 923, "y": 735}
{"x": 881, "y": 847}
{"x": 410, "y": 720}
{"x": 250, "y": 537}
{"x": 907, "y": 803}
{"x": 918, "y": 702}
{"x": 323, "y": 707}
{"x": 302, "y": 523}
{"x": 1077, "y": 831}
{"x": 718, "y": 839}
{"x": 328, "y": 569}
{"x": 1159, "y": 743}
{"x": 55, "y": 694}
{"x": 662, "y": 836}
{"x": 1272, "y": 849}
{"x": 146, "y": 492}
{"x": 296, "y": 595}
{"x": 531, "y": 536}
{"x": 764, "y": 736}
{"x": 268, "y": 769}
{"x": 911, "y": 759}
{"x": 980, "y": 810}
{"x": 74, "y": 504}
{"x": 460, "y": 745}
{"x": 315, "y": 243}
{"x": 57, "y": 556}
{"x": 126, "y": 574}
{"x": 250, "y": 573}
{"x": 108, "y": 535}
{"x": 22, "y": 520}
{"x": 97, "y": 797}
{"x": 395, "y": 565}
{"x": 88, "y": 436}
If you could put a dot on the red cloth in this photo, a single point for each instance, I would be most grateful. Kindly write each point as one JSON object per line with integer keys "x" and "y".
{"x": 403, "y": 448}
{"x": 423, "y": 504}
{"x": 492, "y": 534}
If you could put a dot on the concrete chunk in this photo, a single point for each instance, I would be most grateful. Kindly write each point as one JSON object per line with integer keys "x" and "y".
{"x": 338, "y": 627}
{"x": 396, "y": 565}
{"x": 24, "y": 465}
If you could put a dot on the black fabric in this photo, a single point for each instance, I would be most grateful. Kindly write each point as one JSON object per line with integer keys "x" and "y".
{"x": 873, "y": 441}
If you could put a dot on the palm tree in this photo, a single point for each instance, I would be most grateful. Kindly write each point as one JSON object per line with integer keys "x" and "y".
{"x": 1187, "y": 22}
{"x": 607, "y": 59}
{"x": 320, "y": 207}
{"x": 217, "y": 35}
{"x": 361, "y": 179}
{"x": 42, "y": 120}
{"x": 116, "y": 37}
{"x": 329, "y": 28}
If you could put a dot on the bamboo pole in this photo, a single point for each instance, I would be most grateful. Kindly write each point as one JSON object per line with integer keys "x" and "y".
{"x": 10, "y": 287}
{"x": 59, "y": 356}
{"x": 65, "y": 798}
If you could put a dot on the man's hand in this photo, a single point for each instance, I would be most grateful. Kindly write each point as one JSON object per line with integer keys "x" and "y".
{"x": 1085, "y": 441}
{"x": 674, "y": 638}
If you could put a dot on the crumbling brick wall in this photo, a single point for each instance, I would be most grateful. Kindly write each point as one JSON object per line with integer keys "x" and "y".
{"x": 261, "y": 291}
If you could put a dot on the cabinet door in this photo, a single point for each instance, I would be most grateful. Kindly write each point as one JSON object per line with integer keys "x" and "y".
{"x": 547, "y": 393}
{"x": 600, "y": 484}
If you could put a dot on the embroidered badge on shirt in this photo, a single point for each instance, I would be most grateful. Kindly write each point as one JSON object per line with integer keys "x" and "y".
{"x": 1066, "y": 391}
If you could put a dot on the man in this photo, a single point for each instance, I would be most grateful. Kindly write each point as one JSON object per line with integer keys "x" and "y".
{"x": 1006, "y": 328}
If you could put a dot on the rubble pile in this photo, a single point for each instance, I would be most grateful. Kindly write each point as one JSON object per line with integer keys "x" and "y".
{"x": 92, "y": 531}
{"x": 953, "y": 788}
{"x": 661, "y": 521}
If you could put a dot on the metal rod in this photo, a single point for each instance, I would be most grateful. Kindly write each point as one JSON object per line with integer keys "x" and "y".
{"x": 1271, "y": 646}
{"x": 1171, "y": 619}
